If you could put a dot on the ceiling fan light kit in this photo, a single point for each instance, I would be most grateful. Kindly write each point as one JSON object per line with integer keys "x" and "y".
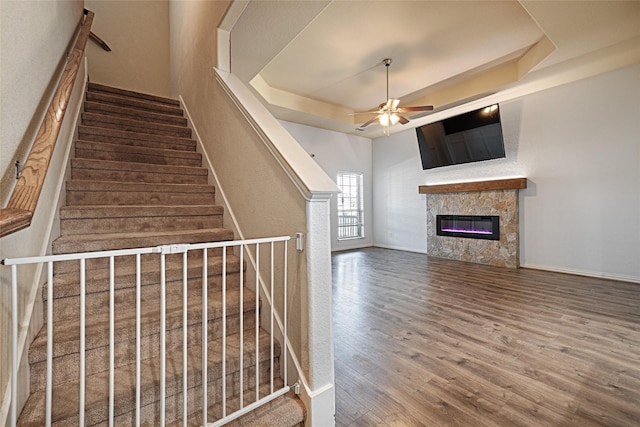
{"x": 388, "y": 113}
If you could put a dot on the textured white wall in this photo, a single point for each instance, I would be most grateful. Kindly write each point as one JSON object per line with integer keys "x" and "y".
{"x": 579, "y": 147}
{"x": 580, "y": 144}
{"x": 337, "y": 152}
{"x": 137, "y": 31}
{"x": 34, "y": 39}
{"x": 400, "y": 216}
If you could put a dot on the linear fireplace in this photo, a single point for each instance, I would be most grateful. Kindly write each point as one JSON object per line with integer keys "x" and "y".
{"x": 468, "y": 226}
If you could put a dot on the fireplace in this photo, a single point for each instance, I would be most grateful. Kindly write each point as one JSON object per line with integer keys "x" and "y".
{"x": 468, "y": 226}
{"x": 496, "y": 197}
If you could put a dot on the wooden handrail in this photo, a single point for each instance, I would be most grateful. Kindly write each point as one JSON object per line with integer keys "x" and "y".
{"x": 22, "y": 204}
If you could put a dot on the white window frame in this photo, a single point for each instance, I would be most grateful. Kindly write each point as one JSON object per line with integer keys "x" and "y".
{"x": 350, "y": 205}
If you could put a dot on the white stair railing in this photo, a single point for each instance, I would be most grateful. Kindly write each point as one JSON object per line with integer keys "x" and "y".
{"x": 273, "y": 290}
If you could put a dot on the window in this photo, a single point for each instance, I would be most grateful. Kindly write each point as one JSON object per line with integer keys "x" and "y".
{"x": 350, "y": 206}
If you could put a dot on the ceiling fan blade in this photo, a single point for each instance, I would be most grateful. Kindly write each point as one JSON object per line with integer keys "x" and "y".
{"x": 363, "y": 112}
{"x": 394, "y": 103}
{"x": 403, "y": 120}
{"x": 370, "y": 121}
{"x": 416, "y": 108}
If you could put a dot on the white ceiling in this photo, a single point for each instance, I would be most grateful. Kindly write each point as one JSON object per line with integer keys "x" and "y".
{"x": 313, "y": 62}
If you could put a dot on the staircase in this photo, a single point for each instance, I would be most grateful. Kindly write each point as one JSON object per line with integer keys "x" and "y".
{"x": 137, "y": 181}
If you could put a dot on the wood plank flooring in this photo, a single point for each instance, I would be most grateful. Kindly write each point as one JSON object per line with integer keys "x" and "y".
{"x": 422, "y": 341}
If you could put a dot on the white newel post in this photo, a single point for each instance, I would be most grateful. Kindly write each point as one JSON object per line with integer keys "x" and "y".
{"x": 320, "y": 398}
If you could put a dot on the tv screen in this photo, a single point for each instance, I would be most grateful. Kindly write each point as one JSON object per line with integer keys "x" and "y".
{"x": 468, "y": 137}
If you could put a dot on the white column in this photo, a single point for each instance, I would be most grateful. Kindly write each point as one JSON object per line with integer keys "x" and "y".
{"x": 320, "y": 398}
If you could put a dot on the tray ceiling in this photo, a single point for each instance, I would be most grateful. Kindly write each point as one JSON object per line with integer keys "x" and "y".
{"x": 313, "y": 62}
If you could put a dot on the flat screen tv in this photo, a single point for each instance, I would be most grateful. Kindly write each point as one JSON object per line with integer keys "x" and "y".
{"x": 468, "y": 137}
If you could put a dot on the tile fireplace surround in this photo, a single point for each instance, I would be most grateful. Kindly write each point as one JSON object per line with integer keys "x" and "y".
{"x": 497, "y": 197}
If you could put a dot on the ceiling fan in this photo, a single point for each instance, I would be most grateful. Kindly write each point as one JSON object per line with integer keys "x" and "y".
{"x": 388, "y": 113}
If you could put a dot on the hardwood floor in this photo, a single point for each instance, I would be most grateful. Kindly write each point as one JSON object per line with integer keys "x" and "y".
{"x": 422, "y": 341}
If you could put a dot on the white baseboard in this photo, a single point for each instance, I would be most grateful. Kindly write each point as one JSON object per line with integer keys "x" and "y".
{"x": 400, "y": 248}
{"x": 351, "y": 247}
{"x": 595, "y": 274}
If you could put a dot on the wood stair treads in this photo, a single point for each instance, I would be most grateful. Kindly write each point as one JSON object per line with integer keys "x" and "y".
{"x": 66, "y": 331}
{"x": 66, "y": 289}
{"x": 115, "y": 110}
{"x": 111, "y": 241}
{"x": 98, "y": 267}
{"x": 133, "y": 125}
{"x": 115, "y": 136}
{"x": 96, "y": 88}
{"x": 103, "y": 170}
{"x": 136, "y": 154}
{"x": 137, "y": 181}
{"x": 65, "y": 411}
{"x": 144, "y": 104}
{"x": 128, "y": 219}
{"x": 87, "y": 192}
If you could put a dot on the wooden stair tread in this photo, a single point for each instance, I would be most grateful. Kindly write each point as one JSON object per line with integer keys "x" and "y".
{"x": 66, "y": 332}
{"x": 118, "y": 186}
{"x": 113, "y": 241}
{"x": 126, "y": 111}
{"x": 132, "y": 124}
{"x": 143, "y": 167}
{"x": 67, "y": 400}
{"x": 134, "y": 138}
{"x": 135, "y": 102}
{"x": 125, "y": 211}
{"x": 67, "y": 271}
{"x": 89, "y": 146}
{"x": 224, "y": 233}
{"x": 96, "y": 87}
{"x": 75, "y": 220}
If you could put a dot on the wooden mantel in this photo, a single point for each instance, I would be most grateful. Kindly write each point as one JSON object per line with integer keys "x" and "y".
{"x": 461, "y": 187}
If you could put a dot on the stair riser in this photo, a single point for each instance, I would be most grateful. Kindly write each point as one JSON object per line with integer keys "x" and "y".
{"x": 105, "y": 211}
{"x": 129, "y": 225}
{"x": 121, "y": 156}
{"x": 138, "y": 198}
{"x": 67, "y": 282}
{"x": 131, "y": 102}
{"x": 96, "y": 338}
{"x": 135, "y": 176}
{"x": 108, "y": 122}
{"x": 97, "y": 413}
{"x": 114, "y": 91}
{"x": 80, "y": 246}
{"x": 153, "y": 152}
{"x": 66, "y": 367}
{"x": 174, "y": 402}
{"x": 98, "y": 302}
{"x": 149, "y": 267}
{"x": 113, "y": 136}
{"x": 132, "y": 113}
{"x": 150, "y": 168}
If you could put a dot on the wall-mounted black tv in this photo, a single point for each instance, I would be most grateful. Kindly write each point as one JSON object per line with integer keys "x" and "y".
{"x": 468, "y": 137}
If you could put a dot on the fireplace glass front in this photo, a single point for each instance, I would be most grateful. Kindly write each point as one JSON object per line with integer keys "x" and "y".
{"x": 468, "y": 226}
